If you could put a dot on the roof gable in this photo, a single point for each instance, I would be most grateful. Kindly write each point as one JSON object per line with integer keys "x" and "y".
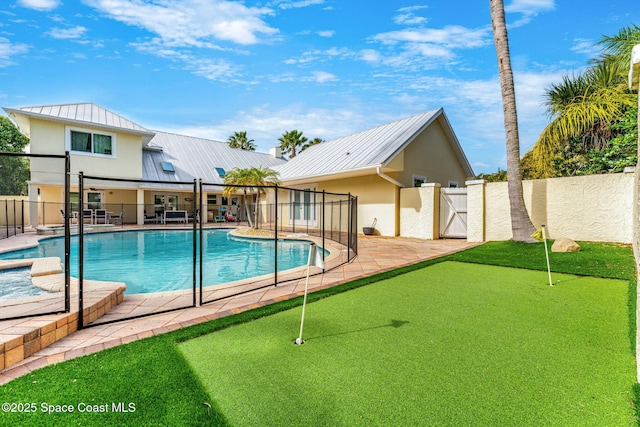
{"x": 365, "y": 150}
{"x": 86, "y": 114}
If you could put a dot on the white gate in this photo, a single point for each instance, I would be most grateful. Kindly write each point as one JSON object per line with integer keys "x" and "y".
{"x": 453, "y": 212}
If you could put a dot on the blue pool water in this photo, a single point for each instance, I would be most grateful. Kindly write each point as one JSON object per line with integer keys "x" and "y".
{"x": 161, "y": 260}
{"x": 16, "y": 283}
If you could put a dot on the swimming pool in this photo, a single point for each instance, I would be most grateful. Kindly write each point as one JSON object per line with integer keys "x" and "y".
{"x": 161, "y": 260}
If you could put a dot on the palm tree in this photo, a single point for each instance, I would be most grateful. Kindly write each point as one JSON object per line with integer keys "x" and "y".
{"x": 239, "y": 140}
{"x": 521, "y": 226}
{"x": 237, "y": 179}
{"x": 314, "y": 141}
{"x": 290, "y": 142}
{"x": 619, "y": 47}
{"x": 249, "y": 180}
{"x": 584, "y": 107}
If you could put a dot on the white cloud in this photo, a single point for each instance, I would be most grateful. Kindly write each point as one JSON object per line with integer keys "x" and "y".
{"x": 211, "y": 69}
{"x": 528, "y": 9}
{"x": 323, "y": 77}
{"x": 67, "y": 33}
{"x": 586, "y": 47}
{"x": 320, "y": 55}
{"x": 192, "y": 23}
{"x": 406, "y": 16}
{"x": 327, "y": 33}
{"x": 265, "y": 124}
{"x": 370, "y": 55}
{"x": 41, "y": 5}
{"x": 288, "y": 4}
{"x": 8, "y": 49}
{"x": 451, "y": 36}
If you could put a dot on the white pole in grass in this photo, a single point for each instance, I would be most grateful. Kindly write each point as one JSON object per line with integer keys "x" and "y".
{"x": 315, "y": 258}
{"x": 546, "y": 252}
{"x": 541, "y": 235}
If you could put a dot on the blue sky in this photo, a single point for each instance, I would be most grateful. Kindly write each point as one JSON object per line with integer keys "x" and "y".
{"x": 329, "y": 68}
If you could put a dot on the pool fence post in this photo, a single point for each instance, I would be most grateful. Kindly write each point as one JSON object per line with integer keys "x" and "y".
{"x": 67, "y": 232}
{"x": 349, "y": 228}
{"x": 200, "y": 213}
{"x": 322, "y": 222}
{"x": 193, "y": 237}
{"x": 275, "y": 237}
{"x": 80, "y": 250}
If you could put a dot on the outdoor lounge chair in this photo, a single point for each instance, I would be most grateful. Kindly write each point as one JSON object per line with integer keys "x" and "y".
{"x": 218, "y": 216}
{"x": 87, "y": 215}
{"x": 101, "y": 215}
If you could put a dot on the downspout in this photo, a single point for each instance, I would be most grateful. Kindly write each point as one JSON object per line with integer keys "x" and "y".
{"x": 397, "y": 208}
{"x": 388, "y": 178}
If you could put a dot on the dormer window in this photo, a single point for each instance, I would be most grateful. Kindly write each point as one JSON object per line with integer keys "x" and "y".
{"x": 168, "y": 167}
{"x": 220, "y": 171}
{"x": 90, "y": 142}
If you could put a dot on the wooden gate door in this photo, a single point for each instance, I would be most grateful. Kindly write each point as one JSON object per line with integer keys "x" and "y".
{"x": 453, "y": 213}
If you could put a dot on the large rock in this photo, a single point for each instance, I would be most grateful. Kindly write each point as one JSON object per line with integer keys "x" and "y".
{"x": 564, "y": 244}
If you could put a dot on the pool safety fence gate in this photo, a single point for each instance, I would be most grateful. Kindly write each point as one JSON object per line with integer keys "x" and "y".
{"x": 282, "y": 221}
{"x": 16, "y": 218}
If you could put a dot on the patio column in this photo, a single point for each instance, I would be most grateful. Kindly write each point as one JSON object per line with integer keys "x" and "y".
{"x": 33, "y": 205}
{"x": 140, "y": 205}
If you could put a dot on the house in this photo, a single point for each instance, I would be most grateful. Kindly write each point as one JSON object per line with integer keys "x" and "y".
{"x": 102, "y": 143}
{"x": 376, "y": 163}
{"x": 373, "y": 164}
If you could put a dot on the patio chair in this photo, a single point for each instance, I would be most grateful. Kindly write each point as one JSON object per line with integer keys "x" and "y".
{"x": 115, "y": 217}
{"x": 151, "y": 218}
{"x": 87, "y": 215}
{"x": 101, "y": 215}
{"x": 218, "y": 216}
{"x": 73, "y": 217}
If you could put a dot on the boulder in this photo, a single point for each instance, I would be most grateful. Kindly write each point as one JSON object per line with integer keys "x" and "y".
{"x": 564, "y": 244}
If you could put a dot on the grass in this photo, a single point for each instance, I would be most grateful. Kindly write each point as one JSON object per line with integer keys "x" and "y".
{"x": 451, "y": 344}
{"x": 155, "y": 376}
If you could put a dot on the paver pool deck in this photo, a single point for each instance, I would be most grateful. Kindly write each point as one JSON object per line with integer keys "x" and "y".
{"x": 375, "y": 254}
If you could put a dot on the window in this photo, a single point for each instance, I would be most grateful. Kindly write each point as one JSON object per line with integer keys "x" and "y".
{"x": 220, "y": 171}
{"x": 418, "y": 180}
{"x": 85, "y": 141}
{"x": 453, "y": 184}
{"x": 212, "y": 199}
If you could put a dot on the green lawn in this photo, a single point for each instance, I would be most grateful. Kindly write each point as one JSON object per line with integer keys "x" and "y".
{"x": 488, "y": 350}
{"x": 450, "y": 344}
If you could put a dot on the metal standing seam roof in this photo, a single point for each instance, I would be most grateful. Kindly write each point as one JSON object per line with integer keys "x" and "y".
{"x": 197, "y": 158}
{"x": 360, "y": 151}
{"x": 82, "y": 114}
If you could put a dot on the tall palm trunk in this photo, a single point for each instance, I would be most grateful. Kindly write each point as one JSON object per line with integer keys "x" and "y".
{"x": 521, "y": 225}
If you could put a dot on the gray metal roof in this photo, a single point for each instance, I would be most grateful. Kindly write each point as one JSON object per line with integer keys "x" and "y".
{"x": 195, "y": 158}
{"x": 364, "y": 150}
{"x": 82, "y": 114}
